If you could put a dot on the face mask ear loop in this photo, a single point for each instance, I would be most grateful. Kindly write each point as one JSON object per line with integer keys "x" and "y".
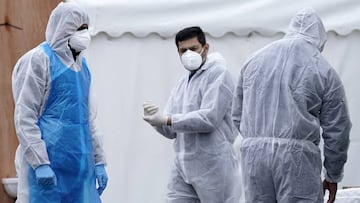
{"x": 202, "y": 50}
{"x": 202, "y": 59}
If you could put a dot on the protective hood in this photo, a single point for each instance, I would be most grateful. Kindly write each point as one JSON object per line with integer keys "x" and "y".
{"x": 307, "y": 24}
{"x": 64, "y": 20}
{"x": 212, "y": 59}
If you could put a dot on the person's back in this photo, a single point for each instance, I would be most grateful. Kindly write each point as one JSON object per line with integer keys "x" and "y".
{"x": 284, "y": 84}
{"x": 285, "y": 94}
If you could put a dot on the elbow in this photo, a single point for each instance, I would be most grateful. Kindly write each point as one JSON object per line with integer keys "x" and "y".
{"x": 207, "y": 127}
{"x": 170, "y": 136}
{"x": 210, "y": 123}
{"x": 166, "y": 132}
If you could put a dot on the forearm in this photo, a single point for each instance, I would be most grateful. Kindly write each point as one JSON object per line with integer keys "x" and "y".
{"x": 196, "y": 121}
{"x": 167, "y": 130}
{"x": 29, "y": 136}
{"x": 336, "y": 145}
{"x": 99, "y": 154}
{"x": 336, "y": 127}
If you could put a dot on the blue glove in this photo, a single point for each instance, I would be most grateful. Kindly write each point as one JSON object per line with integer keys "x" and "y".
{"x": 45, "y": 175}
{"x": 101, "y": 177}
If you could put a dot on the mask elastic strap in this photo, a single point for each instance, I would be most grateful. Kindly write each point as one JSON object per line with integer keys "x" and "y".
{"x": 201, "y": 50}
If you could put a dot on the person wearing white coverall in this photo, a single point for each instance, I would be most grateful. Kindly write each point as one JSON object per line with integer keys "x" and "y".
{"x": 285, "y": 94}
{"x": 197, "y": 116}
{"x": 60, "y": 156}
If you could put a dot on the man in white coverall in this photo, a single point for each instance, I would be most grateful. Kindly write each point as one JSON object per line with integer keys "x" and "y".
{"x": 197, "y": 116}
{"x": 286, "y": 92}
{"x": 60, "y": 156}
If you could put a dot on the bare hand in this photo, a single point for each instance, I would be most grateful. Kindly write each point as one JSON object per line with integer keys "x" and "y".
{"x": 332, "y": 187}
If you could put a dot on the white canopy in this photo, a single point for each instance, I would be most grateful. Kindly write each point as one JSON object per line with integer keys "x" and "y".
{"x": 217, "y": 17}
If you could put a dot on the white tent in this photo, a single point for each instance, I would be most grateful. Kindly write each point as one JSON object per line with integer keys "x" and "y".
{"x": 133, "y": 58}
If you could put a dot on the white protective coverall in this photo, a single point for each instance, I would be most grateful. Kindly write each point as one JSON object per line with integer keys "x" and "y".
{"x": 205, "y": 167}
{"x": 31, "y": 88}
{"x": 286, "y": 92}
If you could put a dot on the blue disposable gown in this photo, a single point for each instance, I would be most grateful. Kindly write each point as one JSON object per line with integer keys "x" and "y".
{"x": 65, "y": 129}
{"x": 286, "y": 92}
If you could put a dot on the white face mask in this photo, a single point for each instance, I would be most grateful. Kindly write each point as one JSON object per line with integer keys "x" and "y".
{"x": 80, "y": 40}
{"x": 191, "y": 59}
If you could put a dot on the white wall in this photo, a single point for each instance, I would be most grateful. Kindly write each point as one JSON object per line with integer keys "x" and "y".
{"x": 128, "y": 70}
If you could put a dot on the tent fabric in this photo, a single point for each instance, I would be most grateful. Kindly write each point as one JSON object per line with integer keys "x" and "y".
{"x": 217, "y": 17}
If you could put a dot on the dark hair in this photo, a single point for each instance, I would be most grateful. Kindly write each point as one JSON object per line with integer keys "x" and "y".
{"x": 188, "y": 33}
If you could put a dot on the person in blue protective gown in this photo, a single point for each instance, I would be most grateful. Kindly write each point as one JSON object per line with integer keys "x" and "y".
{"x": 60, "y": 157}
{"x": 197, "y": 116}
{"x": 285, "y": 94}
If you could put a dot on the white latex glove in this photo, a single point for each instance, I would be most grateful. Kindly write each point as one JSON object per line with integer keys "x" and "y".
{"x": 150, "y": 108}
{"x": 153, "y": 115}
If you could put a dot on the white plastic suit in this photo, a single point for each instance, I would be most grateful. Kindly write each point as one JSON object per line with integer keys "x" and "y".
{"x": 205, "y": 164}
{"x": 43, "y": 86}
{"x": 286, "y": 92}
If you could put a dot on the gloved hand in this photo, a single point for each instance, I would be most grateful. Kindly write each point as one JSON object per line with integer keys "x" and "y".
{"x": 45, "y": 175}
{"x": 153, "y": 116}
{"x": 101, "y": 177}
{"x": 150, "y": 108}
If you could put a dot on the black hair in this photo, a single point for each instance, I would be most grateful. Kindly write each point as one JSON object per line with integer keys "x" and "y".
{"x": 188, "y": 33}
